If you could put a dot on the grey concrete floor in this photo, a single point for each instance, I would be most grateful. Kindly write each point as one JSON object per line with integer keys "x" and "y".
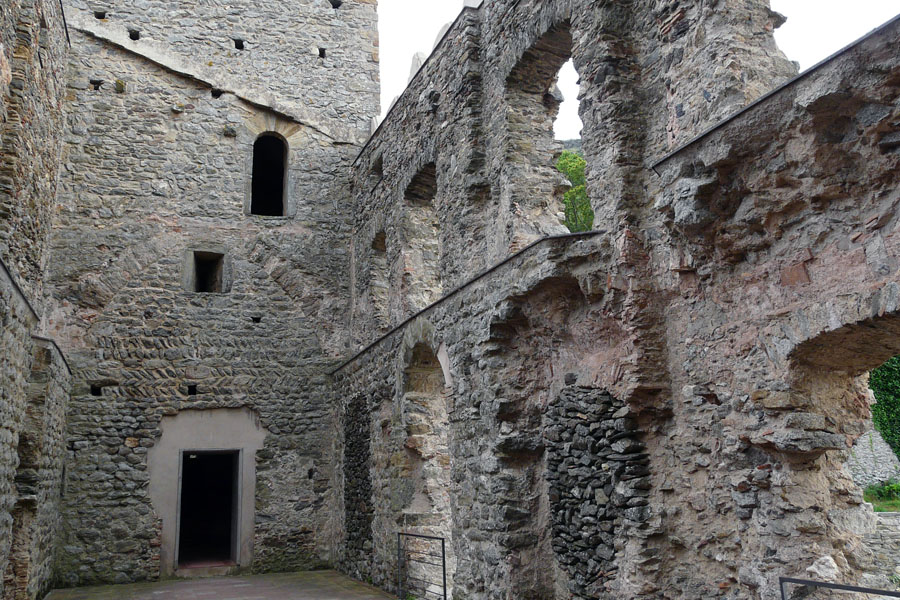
{"x": 313, "y": 585}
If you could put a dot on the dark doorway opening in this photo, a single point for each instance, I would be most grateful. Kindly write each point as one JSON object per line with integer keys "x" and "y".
{"x": 208, "y": 523}
{"x": 269, "y": 168}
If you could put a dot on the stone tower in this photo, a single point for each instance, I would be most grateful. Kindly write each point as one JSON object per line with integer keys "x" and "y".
{"x": 198, "y": 273}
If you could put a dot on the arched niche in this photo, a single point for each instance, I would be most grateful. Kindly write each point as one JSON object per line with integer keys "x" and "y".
{"x": 269, "y": 176}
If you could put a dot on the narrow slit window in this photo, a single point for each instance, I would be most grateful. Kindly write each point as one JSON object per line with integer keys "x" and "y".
{"x": 208, "y": 272}
{"x": 238, "y": 44}
{"x": 269, "y": 170}
{"x": 321, "y": 52}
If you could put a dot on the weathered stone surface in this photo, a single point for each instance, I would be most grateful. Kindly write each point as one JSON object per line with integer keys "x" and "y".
{"x": 158, "y": 160}
{"x": 658, "y": 409}
{"x": 872, "y": 461}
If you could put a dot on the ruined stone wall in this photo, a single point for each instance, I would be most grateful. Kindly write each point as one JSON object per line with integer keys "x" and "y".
{"x": 16, "y": 319}
{"x": 499, "y": 516}
{"x": 690, "y": 305}
{"x": 158, "y": 165}
{"x": 39, "y": 476}
{"x": 33, "y": 50}
{"x": 779, "y": 259}
{"x": 872, "y": 461}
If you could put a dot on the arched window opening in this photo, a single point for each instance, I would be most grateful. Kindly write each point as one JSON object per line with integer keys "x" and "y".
{"x": 421, "y": 276}
{"x": 875, "y": 460}
{"x": 379, "y": 281}
{"x": 426, "y": 509}
{"x": 545, "y": 160}
{"x": 269, "y": 170}
{"x": 844, "y": 388}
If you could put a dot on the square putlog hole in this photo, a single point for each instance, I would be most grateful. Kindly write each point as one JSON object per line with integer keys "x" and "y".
{"x": 209, "y": 270}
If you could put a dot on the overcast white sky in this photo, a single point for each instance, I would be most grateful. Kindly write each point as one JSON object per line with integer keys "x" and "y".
{"x": 815, "y": 29}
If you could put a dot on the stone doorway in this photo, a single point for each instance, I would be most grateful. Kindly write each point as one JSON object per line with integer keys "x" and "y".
{"x": 225, "y": 441}
{"x": 208, "y": 515}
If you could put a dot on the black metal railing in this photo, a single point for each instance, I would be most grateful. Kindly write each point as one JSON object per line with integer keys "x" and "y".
{"x": 785, "y": 581}
{"x": 421, "y": 567}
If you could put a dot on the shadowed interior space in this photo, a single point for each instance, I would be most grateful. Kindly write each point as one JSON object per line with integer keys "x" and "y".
{"x": 208, "y": 501}
{"x": 269, "y": 165}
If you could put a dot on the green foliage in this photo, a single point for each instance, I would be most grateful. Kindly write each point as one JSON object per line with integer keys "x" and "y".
{"x": 885, "y": 497}
{"x": 890, "y": 490}
{"x": 579, "y": 215}
{"x": 885, "y": 382}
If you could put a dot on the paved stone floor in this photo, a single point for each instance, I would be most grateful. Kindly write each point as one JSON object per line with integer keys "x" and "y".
{"x": 315, "y": 585}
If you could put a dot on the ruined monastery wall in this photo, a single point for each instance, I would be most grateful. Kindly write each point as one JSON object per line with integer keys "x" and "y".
{"x": 690, "y": 305}
{"x": 33, "y": 377}
{"x": 659, "y": 408}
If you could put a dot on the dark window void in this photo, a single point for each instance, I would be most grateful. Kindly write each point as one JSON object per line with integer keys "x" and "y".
{"x": 216, "y": 93}
{"x": 423, "y": 188}
{"x": 336, "y": 3}
{"x": 96, "y": 83}
{"x": 209, "y": 487}
{"x": 96, "y": 390}
{"x": 99, "y": 14}
{"x": 134, "y": 34}
{"x": 378, "y": 167}
{"x": 192, "y": 390}
{"x": 238, "y": 44}
{"x": 208, "y": 268}
{"x": 269, "y": 168}
{"x": 321, "y": 52}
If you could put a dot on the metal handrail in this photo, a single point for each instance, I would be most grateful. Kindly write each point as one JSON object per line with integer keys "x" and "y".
{"x": 401, "y": 550}
{"x": 783, "y": 581}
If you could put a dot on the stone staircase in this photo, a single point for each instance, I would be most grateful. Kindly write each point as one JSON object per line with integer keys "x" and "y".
{"x": 885, "y": 543}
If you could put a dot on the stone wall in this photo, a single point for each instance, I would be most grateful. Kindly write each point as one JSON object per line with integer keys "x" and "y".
{"x": 598, "y": 479}
{"x": 16, "y": 318}
{"x": 280, "y": 64}
{"x": 39, "y": 476}
{"x": 872, "y": 461}
{"x": 357, "y": 495}
{"x": 885, "y": 543}
{"x": 158, "y": 165}
{"x": 733, "y": 297}
{"x": 33, "y": 51}
{"x": 779, "y": 258}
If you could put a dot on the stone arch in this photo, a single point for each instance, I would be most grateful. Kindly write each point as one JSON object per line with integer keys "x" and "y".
{"x": 421, "y": 283}
{"x": 294, "y": 135}
{"x": 532, "y": 188}
{"x": 424, "y": 408}
{"x": 813, "y": 417}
